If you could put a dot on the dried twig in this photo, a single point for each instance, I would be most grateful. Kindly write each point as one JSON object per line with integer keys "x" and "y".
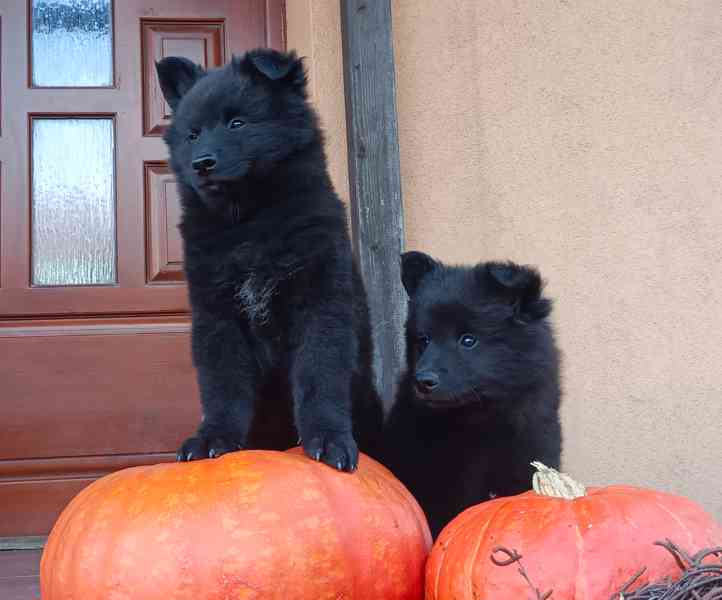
{"x": 699, "y": 580}
{"x": 628, "y": 585}
{"x": 512, "y": 556}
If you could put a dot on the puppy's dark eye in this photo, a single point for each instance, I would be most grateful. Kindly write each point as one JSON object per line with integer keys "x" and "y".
{"x": 193, "y": 135}
{"x": 468, "y": 341}
{"x": 423, "y": 341}
{"x": 236, "y": 123}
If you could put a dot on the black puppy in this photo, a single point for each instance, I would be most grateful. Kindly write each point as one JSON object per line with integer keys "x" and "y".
{"x": 281, "y": 333}
{"x": 479, "y": 399}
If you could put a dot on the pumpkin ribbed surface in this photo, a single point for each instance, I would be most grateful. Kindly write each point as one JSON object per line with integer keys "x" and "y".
{"x": 251, "y": 525}
{"x": 585, "y": 548}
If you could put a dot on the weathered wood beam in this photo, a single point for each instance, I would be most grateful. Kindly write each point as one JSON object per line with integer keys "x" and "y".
{"x": 373, "y": 155}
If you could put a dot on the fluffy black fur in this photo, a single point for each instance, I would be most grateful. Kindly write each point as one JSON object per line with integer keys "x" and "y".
{"x": 281, "y": 337}
{"x": 479, "y": 399}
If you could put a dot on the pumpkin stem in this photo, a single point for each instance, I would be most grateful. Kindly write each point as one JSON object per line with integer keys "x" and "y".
{"x": 550, "y": 482}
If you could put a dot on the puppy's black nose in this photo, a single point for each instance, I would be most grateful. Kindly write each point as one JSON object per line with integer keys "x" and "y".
{"x": 204, "y": 163}
{"x": 426, "y": 381}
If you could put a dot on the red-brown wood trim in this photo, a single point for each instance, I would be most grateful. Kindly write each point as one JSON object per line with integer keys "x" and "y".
{"x": 110, "y": 301}
{"x": 75, "y": 467}
{"x": 97, "y": 320}
{"x": 29, "y": 36}
{"x": 2, "y": 197}
{"x": 157, "y": 272}
{"x": 125, "y": 326}
{"x": 30, "y": 508}
{"x": 148, "y": 166}
{"x": 146, "y": 73}
{"x": 1, "y": 77}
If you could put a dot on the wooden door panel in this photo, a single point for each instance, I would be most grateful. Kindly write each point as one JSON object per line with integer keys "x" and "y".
{"x": 96, "y": 378}
{"x": 202, "y": 41}
{"x": 245, "y": 24}
{"x": 113, "y": 390}
{"x": 115, "y": 396}
{"x": 164, "y": 247}
{"x": 44, "y": 496}
{"x": 33, "y": 491}
{"x": 97, "y": 301}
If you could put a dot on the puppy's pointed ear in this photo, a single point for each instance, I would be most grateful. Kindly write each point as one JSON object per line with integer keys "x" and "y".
{"x": 519, "y": 285}
{"x": 176, "y": 76}
{"x": 414, "y": 267}
{"x": 273, "y": 65}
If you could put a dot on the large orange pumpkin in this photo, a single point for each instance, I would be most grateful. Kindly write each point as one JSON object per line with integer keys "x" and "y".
{"x": 582, "y": 544}
{"x": 251, "y": 525}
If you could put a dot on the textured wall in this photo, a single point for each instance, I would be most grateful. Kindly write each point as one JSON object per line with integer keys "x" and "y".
{"x": 586, "y": 137}
{"x": 314, "y": 30}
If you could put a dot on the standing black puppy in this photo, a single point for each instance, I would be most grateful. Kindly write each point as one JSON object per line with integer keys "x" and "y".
{"x": 479, "y": 400}
{"x": 281, "y": 333}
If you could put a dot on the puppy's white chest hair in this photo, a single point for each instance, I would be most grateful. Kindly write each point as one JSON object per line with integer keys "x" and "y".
{"x": 254, "y": 296}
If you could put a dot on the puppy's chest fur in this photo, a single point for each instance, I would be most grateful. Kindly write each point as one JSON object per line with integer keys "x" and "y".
{"x": 258, "y": 280}
{"x": 258, "y": 290}
{"x": 266, "y": 286}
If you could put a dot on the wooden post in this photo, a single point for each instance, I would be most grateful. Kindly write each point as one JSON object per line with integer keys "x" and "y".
{"x": 373, "y": 156}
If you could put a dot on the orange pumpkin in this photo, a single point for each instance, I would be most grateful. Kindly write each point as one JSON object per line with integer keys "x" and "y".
{"x": 582, "y": 544}
{"x": 251, "y": 525}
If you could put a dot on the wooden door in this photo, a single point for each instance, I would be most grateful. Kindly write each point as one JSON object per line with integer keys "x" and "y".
{"x": 95, "y": 370}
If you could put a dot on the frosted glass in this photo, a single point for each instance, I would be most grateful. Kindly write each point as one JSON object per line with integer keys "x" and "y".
{"x": 73, "y": 202}
{"x": 72, "y": 43}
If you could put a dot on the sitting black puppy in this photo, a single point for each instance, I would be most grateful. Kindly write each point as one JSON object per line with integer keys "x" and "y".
{"x": 479, "y": 400}
{"x": 281, "y": 336}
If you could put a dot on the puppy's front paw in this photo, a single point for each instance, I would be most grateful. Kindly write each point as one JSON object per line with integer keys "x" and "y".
{"x": 337, "y": 450}
{"x": 198, "y": 447}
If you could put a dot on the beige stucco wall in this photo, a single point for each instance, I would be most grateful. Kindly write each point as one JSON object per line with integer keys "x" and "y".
{"x": 313, "y": 29}
{"x": 583, "y": 137}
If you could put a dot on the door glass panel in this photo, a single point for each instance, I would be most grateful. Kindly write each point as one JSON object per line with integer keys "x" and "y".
{"x": 73, "y": 201}
{"x": 72, "y": 43}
